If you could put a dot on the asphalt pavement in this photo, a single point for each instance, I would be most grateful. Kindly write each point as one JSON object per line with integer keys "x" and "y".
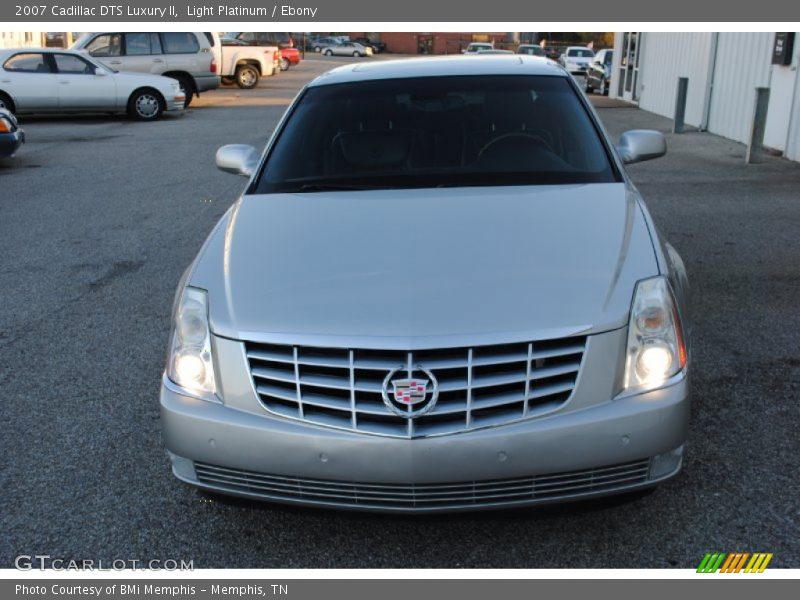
{"x": 99, "y": 216}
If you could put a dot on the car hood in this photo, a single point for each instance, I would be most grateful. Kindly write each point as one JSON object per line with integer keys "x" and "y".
{"x": 421, "y": 268}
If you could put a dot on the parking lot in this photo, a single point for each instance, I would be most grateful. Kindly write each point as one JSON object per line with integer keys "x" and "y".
{"x": 99, "y": 216}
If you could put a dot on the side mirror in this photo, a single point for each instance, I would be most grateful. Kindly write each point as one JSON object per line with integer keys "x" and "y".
{"x": 100, "y": 72}
{"x": 639, "y": 145}
{"x": 238, "y": 159}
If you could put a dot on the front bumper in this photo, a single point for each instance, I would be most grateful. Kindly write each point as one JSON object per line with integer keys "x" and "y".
{"x": 207, "y": 82}
{"x": 11, "y": 142}
{"x": 615, "y": 446}
{"x": 175, "y": 104}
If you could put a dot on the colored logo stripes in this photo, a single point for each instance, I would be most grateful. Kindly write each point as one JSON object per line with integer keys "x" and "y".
{"x": 734, "y": 562}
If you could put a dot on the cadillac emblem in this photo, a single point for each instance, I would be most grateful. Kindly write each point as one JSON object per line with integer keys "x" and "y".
{"x": 410, "y": 392}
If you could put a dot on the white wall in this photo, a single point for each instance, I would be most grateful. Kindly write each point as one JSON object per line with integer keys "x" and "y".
{"x": 20, "y": 39}
{"x": 783, "y": 117}
{"x": 743, "y": 63}
{"x": 665, "y": 58}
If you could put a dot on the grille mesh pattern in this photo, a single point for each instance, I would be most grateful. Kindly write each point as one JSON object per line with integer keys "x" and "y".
{"x": 471, "y": 494}
{"x": 481, "y": 386}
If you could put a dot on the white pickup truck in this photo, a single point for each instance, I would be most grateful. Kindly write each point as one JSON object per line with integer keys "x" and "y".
{"x": 244, "y": 64}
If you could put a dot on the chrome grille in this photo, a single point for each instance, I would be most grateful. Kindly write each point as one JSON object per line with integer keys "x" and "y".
{"x": 478, "y": 387}
{"x": 442, "y": 496}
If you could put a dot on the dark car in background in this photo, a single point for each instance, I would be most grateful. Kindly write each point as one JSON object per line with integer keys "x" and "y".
{"x": 598, "y": 73}
{"x": 531, "y": 49}
{"x": 11, "y": 136}
{"x": 553, "y": 52}
{"x": 377, "y": 47}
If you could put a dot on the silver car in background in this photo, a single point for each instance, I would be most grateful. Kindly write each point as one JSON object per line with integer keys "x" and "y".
{"x": 439, "y": 291}
{"x": 39, "y": 80}
{"x": 346, "y": 49}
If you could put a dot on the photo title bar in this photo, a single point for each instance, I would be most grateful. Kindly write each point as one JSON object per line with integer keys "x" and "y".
{"x": 350, "y": 11}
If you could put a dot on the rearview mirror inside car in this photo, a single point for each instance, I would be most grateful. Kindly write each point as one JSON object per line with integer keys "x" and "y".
{"x": 638, "y": 145}
{"x": 238, "y": 159}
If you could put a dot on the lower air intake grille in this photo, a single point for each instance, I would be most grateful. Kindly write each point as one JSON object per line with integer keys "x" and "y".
{"x": 472, "y": 494}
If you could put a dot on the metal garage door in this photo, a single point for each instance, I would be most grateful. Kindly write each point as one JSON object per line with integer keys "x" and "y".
{"x": 742, "y": 64}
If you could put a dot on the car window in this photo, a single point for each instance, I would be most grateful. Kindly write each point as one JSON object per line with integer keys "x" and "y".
{"x": 73, "y": 65}
{"x": 108, "y": 44}
{"x": 608, "y": 58}
{"x": 27, "y": 63}
{"x": 580, "y": 52}
{"x": 443, "y": 131}
{"x": 137, "y": 44}
{"x": 179, "y": 43}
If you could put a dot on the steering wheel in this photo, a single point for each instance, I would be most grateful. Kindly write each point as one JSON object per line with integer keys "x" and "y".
{"x": 536, "y": 139}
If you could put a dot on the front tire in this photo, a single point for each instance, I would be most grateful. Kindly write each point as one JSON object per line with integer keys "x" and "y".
{"x": 604, "y": 87}
{"x": 246, "y": 77}
{"x": 356, "y": 54}
{"x": 146, "y": 104}
{"x": 328, "y": 52}
{"x": 284, "y": 64}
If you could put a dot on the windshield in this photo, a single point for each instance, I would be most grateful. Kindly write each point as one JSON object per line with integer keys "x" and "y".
{"x": 436, "y": 131}
{"x": 580, "y": 53}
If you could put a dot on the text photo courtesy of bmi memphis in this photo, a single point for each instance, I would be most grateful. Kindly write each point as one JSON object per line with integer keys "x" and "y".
{"x": 439, "y": 294}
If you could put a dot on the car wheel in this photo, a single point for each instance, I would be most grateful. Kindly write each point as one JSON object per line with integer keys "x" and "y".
{"x": 187, "y": 87}
{"x": 145, "y": 105}
{"x": 246, "y": 77}
{"x": 317, "y": 49}
{"x": 284, "y": 64}
{"x": 604, "y": 86}
{"x": 328, "y": 52}
{"x": 356, "y": 54}
{"x": 587, "y": 88}
{"x": 7, "y": 103}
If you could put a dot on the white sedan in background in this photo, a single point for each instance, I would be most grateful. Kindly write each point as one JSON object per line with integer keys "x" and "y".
{"x": 576, "y": 59}
{"x": 39, "y": 80}
{"x": 347, "y": 49}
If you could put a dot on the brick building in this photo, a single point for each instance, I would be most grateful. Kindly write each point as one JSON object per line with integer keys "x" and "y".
{"x": 435, "y": 42}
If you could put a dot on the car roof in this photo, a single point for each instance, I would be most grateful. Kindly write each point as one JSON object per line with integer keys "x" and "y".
{"x": 38, "y": 50}
{"x": 442, "y": 66}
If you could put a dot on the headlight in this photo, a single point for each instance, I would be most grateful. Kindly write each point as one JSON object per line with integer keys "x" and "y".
{"x": 656, "y": 349}
{"x": 190, "y": 363}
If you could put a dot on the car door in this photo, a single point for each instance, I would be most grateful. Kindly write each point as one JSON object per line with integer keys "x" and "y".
{"x": 107, "y": 48}
{"x": 143, "y": 54}
{"x": 29, "y": 78}
{"x": 81, "y": 85}
{"x": 182, "y": 52}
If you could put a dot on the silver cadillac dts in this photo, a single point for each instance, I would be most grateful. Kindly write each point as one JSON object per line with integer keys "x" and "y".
{"x": 439, "y": 291}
